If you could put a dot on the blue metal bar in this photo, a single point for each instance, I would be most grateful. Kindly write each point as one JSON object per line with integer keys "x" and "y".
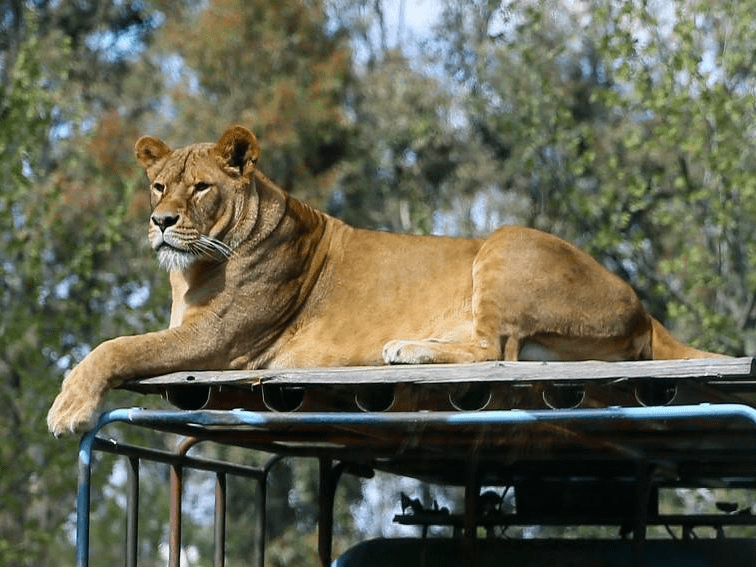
{"x": 83, "y": 499}
{"x": 143, "y": 417}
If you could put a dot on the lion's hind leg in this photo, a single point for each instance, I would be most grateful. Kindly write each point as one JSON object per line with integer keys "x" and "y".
{"x": 535, "y": 296}
{"x": 460, "y": 346}
{"x": 434, "y": 351}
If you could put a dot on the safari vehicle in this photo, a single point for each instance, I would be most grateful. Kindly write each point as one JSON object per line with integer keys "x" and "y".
{"x": 578, "y": 444}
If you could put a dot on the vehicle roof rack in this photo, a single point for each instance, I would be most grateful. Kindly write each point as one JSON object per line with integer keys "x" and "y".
{"x": 617, "y": 431}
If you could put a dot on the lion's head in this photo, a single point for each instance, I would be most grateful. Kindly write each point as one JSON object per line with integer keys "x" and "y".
{"x": 199, "y": 195}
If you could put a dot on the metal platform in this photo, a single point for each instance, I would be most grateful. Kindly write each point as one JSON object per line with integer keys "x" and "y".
{"x": 602, "y": 445}
{"x": 465, "y": 387}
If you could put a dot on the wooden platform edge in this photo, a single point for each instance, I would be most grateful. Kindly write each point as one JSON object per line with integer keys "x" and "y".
{"x": 737, "y": 370}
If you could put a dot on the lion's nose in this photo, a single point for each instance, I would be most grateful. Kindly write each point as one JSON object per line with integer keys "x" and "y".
{"x": 164, "y": 220}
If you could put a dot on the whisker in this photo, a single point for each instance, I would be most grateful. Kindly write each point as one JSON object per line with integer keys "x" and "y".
{"x": 200, "y": 249}
{"x": 212, "y": 247}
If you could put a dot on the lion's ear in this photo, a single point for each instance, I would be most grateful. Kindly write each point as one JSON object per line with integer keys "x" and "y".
{"x": 149, "y": 150}
{"x": 238, "y": 150}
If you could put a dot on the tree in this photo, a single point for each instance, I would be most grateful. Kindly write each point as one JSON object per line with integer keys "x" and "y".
{"x": 624, "y": 127}
{"x": 58, "y": 298}
{"x": 25, "y": 111}
{"x": 272, "y": 66}
{"x": 615, "y": 134}
{"x": 403, "y": 152}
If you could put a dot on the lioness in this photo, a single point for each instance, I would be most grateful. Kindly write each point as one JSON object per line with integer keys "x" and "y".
{"x": 260, "y": 279}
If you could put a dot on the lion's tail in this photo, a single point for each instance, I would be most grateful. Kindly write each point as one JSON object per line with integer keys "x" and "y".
{"x": 665, "y": 347}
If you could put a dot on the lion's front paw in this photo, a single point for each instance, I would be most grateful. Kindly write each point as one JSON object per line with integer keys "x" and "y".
{"x": 73, "y": 411}
{"x": 408, "y": 352}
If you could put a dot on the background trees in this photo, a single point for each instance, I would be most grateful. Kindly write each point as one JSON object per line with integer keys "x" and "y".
{"x": 615, "y": 125}
{"x": 626, "y": 127}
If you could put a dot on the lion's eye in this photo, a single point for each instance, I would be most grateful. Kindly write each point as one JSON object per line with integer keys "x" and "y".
{"x": 201, "y": 186}
{"x": 158, "y": 187}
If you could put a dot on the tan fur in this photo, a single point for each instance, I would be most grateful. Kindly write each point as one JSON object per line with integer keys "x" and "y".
{"x": 260, "y": 279}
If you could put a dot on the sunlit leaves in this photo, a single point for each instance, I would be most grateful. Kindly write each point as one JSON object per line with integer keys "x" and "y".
{"x": 630, "y": 127}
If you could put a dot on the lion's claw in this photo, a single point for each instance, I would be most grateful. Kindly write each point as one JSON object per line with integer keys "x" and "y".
{"x": 407, "y": 352}
{"x": 72, "y": 413}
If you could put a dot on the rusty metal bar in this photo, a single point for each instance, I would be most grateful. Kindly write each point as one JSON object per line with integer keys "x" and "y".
{"x": 177, "y": 490}
{"x": 325, "y": 519}
{"x": 472, "y": 490}
{"x": 258, "y": 560}
{"x": 174, "y": 543}
{"x": 220, "y": 520}
{"x": 329, "y": 480}
{"x": 132, "y": 511}
{"x": 640, "y": 520}
{"x": 470, "y": 524}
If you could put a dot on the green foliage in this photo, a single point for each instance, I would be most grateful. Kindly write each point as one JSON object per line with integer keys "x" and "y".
{"x": 27, "y": 514}
{"x": 402, "y": 153}
{"x": 625, "y": 127}
{"x": 622, "y": 133}
{"x": 269, "y": 65}
{"x": 60, "y": 274}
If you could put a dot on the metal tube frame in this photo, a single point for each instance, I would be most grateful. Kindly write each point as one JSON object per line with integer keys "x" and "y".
{"x": 199, "y": 419}
{"x": 178, "y": 461}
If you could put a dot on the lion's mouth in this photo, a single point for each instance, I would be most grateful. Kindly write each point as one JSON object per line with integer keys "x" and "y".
{"x": 172, "y": 258}
{"x": 179, "y": 256}
{"x": 163, "y": 242}
{"x": 163, "y": 245}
